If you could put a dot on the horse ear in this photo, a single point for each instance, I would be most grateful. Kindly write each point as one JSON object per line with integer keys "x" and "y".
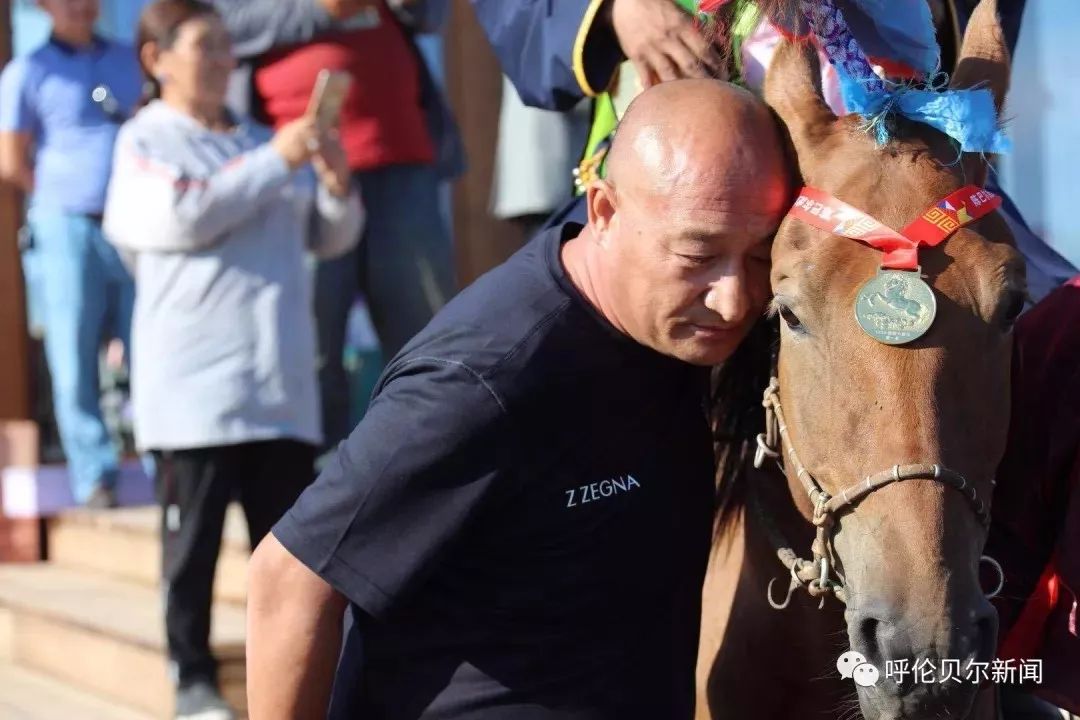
{"x": 793, "y": 90}
{"x": 984, "y": 56}
{"x": 983, "y": 62}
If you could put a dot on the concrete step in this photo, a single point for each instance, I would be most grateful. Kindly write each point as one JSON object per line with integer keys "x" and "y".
{"x": 125, "y": 544}
{"x": 26, "y": 695}
{"x": 104, "y": 636}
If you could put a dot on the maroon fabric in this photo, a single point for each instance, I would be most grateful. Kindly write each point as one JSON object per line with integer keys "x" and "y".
{"x": 382, "y": 119}
{"x": 1036, "y": 512}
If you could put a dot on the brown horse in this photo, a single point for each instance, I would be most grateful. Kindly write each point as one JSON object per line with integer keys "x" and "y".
{"x": 936, "y": 409}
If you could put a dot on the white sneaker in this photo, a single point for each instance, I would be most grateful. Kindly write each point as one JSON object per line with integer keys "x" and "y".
{"x": 202, "y": 701}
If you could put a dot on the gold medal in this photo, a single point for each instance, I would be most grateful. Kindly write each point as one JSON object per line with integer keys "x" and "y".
{"x": 895, "y": 307}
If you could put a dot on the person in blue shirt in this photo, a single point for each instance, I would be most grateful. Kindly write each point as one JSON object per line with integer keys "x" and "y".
{"x": 60, "y": 109}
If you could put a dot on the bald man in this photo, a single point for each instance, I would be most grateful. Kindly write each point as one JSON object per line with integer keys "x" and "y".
{"x": 520, "y": 524}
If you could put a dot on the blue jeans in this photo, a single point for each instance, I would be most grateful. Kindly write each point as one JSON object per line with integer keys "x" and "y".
{"x": 86, "y": 296}
{"x": 404, "y": 265}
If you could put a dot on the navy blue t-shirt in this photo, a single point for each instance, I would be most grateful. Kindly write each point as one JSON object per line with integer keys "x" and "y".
{"x": 523, "y": 517}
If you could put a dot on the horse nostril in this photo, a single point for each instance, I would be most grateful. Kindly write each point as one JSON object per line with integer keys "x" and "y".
{"x": 867, "y": 635}
{"x": 878, "y": 637}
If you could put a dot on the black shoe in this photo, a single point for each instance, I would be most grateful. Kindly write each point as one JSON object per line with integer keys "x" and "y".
{"x": 102, "y": 498}
{"x": 201, "y": 701}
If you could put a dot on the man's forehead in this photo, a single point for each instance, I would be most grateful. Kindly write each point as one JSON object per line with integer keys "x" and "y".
{"x": 695, "y": 213}
{"x": 665, "y": 156}
{"x": 700, "y": 218}
{"x": 704, "y": 237}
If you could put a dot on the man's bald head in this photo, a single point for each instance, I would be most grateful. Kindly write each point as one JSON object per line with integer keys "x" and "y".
{"x": 681, "y": 228}
{"x": 695, "y": 131}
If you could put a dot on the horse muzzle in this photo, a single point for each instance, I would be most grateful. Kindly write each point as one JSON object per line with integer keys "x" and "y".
{"x": 928, "y": 667}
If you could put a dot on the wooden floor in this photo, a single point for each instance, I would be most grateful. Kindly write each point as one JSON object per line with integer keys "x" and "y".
{"x": 105, "y": 606}
{"x": 26, "y": 695}
{"x": 82, "y": 635}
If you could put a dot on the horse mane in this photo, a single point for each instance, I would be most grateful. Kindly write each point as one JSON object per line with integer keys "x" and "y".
{"x": 736, "y": 415}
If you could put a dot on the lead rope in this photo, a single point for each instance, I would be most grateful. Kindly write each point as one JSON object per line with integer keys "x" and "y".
{"x": 813, "y": 575}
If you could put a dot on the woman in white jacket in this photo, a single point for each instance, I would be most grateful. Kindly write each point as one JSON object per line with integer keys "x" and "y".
{"x": 214, "y": 215}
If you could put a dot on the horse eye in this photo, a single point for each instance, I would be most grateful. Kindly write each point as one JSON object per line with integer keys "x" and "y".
{"x": 1012, "y": 307}
{"x": 790, "y": 318}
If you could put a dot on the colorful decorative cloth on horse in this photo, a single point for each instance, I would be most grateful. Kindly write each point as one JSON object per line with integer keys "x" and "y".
{"x": 907, "y": 29}
{"x": 899, "y": 34}
{"x": 967, "y": 116}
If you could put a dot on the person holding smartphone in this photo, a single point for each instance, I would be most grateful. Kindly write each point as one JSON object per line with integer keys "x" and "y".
{"x": 214, "y": 214}
{"x": 400, "y": 141}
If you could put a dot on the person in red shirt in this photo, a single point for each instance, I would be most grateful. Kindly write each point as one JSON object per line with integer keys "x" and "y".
{"x": 1035, "y": 533}
{"x": 400, "y": 141}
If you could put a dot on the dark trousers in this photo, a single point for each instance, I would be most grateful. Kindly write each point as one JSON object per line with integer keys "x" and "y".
{"x": 404, "y": 265}
{"x": 194, "y": 488}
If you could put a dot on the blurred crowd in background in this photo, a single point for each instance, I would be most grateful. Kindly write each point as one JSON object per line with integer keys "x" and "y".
{"x": 195, "y": 236}
{"x": 397, "y": 135}
{"x": 216, "y": 276}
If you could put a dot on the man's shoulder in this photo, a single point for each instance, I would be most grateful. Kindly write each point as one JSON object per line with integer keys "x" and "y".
{"x": 13, "y": 74}
{"x": 506, "y": 322}
{"x": 121, "y": 52}
{"x": 23, "y": 76}
{"x": 113, "y": 45}
{"x": 41, "y": 57}
{"x": 23, "y": 68}
{"x": 511, "y": 298}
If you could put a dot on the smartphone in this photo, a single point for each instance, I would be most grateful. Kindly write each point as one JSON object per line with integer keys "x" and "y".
{"x": 331, "y": 87}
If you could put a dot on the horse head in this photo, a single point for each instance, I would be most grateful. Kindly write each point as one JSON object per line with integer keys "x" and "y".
{"x": 908, "y": 553}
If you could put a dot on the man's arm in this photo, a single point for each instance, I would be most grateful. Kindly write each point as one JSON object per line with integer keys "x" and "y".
{"x": 293, "y": 636}
{"x": 15, "y": 164}
{"x": 555, "y": 53}
{"x": 18, "y": 122}
{"x": 431, "y": 452}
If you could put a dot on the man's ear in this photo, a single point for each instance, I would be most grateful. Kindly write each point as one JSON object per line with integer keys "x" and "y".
{"x": 601, "y": 202}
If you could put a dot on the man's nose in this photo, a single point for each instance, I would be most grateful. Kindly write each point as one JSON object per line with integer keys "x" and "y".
{"x": 728, "y": 297}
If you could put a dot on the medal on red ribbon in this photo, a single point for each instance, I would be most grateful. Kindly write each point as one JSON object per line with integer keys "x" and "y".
{"x": 896, "y": 306}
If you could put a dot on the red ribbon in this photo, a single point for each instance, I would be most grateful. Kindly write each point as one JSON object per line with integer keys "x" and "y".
{"x": 710, "y": 6}
{"x": 823, "y": 211}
